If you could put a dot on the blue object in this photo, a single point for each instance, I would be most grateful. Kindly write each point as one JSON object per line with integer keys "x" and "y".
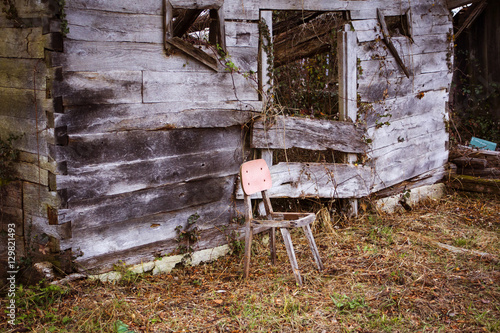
{"x": 482, "y": 144}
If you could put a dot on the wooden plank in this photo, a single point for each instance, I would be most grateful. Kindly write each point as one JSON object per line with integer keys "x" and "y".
{"x": 146, "y": 239}
{"x": 378, "y": 90}
{"x": 475, "y": 184}
{"x": 188, "y": 48}
{"x": 210, "y": 87}
{"x": 408, "y": 168}
{"x": 331, "y": 5}
{"x": 149, "y": 7}
{"x": 346, "y": 42}
{"x": 138, "y": 175}
{"x": 314, "y": 134}
{"x": 242, "y": 10}
{"x": 124, "y": 56}
{"x": 107, "y": 118}
{"x": 22, "y": 103}
{"x": 246, "y": 59}
{"x": 31, "y": 173}
{"x": 36, "y": 198}
{"x": 88, "y": 152}
{"x": 106, "y": 26}
{"x": 22, "y": 43}
{"x": 405, "y": 129}
{"x": 199, "y": 4}
{"x": 22, "y": 73}
{"x": 80, "y": 88}
{"x": 433, "y": 102}
{"x": 299, "y": 180}
{"x": 138, "y": 204}
{"x": 242, "y": 33}
{"x": 26, "y": 128}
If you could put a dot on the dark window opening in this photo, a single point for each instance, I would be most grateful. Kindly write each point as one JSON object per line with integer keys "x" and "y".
{"x": 398, "y": 25}
{"x": 306, "y": 62}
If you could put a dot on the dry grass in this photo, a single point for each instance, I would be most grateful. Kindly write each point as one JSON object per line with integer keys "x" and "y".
{"x": 382, "y": 273}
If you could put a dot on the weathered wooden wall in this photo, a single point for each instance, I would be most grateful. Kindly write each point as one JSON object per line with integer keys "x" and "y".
{"x": 27, "y": 32}
{"x": 146, "y": 138}
{"x": 133, "y": 140}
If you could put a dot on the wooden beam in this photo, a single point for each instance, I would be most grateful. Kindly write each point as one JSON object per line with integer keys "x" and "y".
{"x": 198, "y": 54}
{"x": 472, "y": 17}
{"x": 388, "y": 42}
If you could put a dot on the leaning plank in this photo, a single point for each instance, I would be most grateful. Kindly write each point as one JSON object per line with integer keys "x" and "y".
{"x": 314, "y": 134}
{"x": 475, "y": 184}
{"x": 139, "y": 175}
{"x": 156, "y": 200}
{"x": 299, "y": 180}
{"x": 188, "y": 48}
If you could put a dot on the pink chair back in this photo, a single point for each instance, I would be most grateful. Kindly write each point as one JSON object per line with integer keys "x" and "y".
{"x": 255, "y": 176}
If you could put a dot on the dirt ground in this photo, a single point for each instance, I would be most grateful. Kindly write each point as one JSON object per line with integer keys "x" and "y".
{"x": 432, "y": 269}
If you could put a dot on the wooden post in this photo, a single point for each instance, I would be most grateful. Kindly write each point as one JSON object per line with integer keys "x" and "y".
{"x": 348, "y": 109}
{"x": 266, "y": 83}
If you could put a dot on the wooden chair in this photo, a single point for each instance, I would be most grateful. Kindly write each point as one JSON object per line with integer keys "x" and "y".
{"x": 255, "y": 177}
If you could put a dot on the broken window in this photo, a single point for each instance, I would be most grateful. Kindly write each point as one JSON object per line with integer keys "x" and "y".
{"x": 306, "y": 62}
{"x": 399, "y": 25}
{"x": 197, "y": 30}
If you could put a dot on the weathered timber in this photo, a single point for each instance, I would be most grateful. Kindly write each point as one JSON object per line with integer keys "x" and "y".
{"x": 423, "y": 44}
{"x": 22, "y": 43}
{"x": 81, "y": 88}
{"x": 404, "y": 107}
{"x": 474, "y": 184}
{"x": 153, "y": 233}
{"x": 408, "y": 168}
{"x": 36, "y": 199}
{"x": 137, "y": 204}
{"x": 378, "y": 90}
{"x": 188, "y": 48}
{"x": 428, "y": 178}
{"x": 114, "y": 56}
{"x": 22, "y": 103}
{"x": 470, "y": 162}
{"x": 22, "y": 73}
{"x": 29, "y": 140}
{"x": 139, "y": 175}
{"x": 32, "y": 173}
{"x": 314, "y": 134}
{"x": 242, "y": 33}
{"x": 299, "y": 180}
{"x": 106, "y": 26}
{"x": 105, "y": 118}
{"x": 405, "y": 129}
{"x": 388, "y": 41}
{"x": 210, "y": 87}
{"x": 491, "y": 173}
{"x": 84, "y": 153}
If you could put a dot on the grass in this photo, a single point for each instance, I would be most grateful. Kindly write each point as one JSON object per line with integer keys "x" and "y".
{"x": 383, "y": 273}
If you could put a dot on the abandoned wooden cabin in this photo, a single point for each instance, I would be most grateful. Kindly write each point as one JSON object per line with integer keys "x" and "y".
{"x": 131, "y": 118}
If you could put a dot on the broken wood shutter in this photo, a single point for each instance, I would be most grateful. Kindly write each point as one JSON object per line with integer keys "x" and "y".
{"x": 181, "y": 15}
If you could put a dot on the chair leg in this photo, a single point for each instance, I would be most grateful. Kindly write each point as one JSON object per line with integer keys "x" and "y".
{"x": 248, "y": 251}
{"x": 312, "y": 245}
{"x": 291, "y": 254}
{"x": 272, "y": 244}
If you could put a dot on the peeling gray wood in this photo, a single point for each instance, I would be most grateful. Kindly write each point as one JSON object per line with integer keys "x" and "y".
{"x": 81, "y": 88}
{"x": 149, "y": 7}
{"x": 106, "y": 26}
{"x": 405, "y": 129}
{"x": 299, "y": 180}
{"x": 138, "y": 175}
{"x": 210, "y": 87}
{"x": 134, "y": 205}
{"x": 378, "y": 90}
{"x": 94, "y": 151}
{"x": 313, "y": 134}
{"x": 94, "y": 119}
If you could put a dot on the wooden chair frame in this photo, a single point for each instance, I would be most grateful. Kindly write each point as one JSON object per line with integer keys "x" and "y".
{"x": 255, "y": 176}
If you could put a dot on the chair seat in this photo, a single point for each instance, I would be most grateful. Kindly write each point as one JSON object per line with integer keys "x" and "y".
{"x": 286, "y": 220}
